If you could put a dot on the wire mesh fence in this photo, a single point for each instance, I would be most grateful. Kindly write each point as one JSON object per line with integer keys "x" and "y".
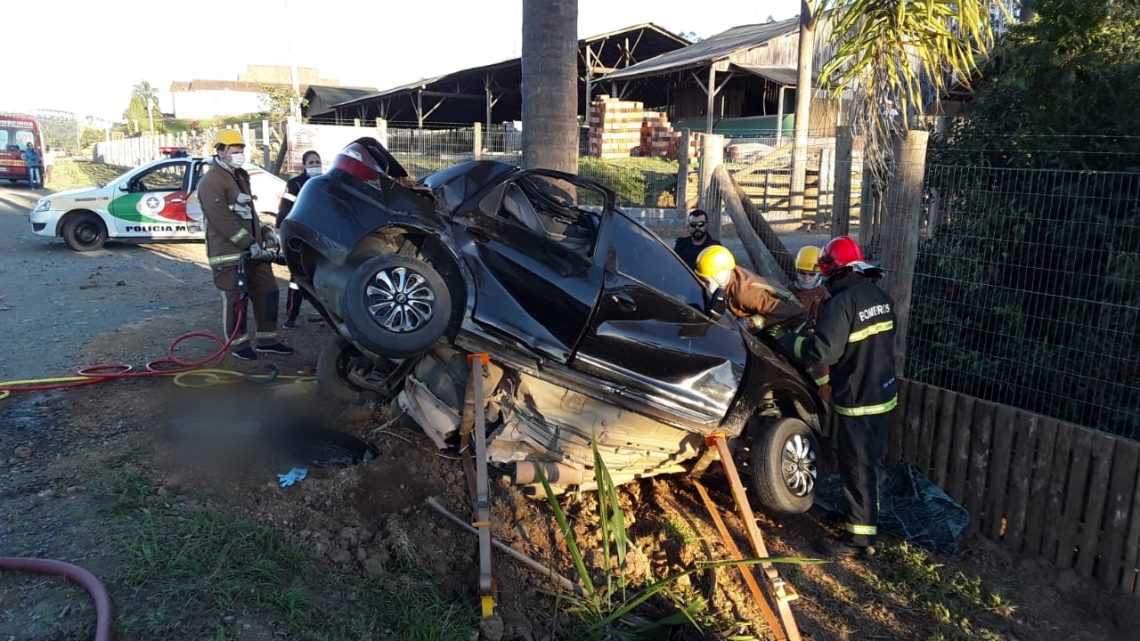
{"x": 1025, "y": 288}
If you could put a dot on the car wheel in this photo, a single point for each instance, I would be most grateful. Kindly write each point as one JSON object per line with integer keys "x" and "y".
{"x": 337, "y": 362}
{"x": 396, "y": 306}
{"x": 785, "y": 458}
{"x": 84, "y": 232}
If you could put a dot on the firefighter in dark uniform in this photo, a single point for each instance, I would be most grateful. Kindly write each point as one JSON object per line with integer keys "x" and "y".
{"x": 855, "y": 336}
{"x": 233, "y": 229}
{"x": 311, "y": 162}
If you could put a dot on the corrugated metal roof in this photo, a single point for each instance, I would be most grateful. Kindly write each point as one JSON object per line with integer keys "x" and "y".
{"x": 718, "y": 47}
{"x": 776, "y": 73}
{"x": 411, "y": 86}
{"x": 333, "y": 95}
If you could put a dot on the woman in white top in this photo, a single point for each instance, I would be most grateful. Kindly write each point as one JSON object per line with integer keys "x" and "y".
{"x": 49, "y": 163}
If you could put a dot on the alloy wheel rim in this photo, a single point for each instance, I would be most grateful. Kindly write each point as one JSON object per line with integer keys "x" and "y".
{"x": 400, "y": 300}
{"x": 797, "y": 461}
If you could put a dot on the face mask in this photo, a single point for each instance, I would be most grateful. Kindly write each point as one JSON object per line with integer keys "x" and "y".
{"x": 237, "y": 160}
{"x": 313, "y": 171}
{"x": 804, "y": 281}
{"x": 721, "y": 278}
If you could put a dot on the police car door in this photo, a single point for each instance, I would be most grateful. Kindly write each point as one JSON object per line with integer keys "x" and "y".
{"x": 152, "y": 203}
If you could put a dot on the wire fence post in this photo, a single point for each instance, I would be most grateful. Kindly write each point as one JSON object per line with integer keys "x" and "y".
{"x": 712, "y": 156}
{"x": 683, "y": 171}
{"x": 841, "y": 206}
{"x": 900, "y": 227}
{"x": 477, "y": 141}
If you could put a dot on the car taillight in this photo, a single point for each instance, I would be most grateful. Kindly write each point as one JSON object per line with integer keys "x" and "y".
{"x": 356, "y": 160}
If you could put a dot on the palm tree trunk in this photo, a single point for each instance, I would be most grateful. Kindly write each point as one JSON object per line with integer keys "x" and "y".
{"x": 550, "y": 84}
{"x": 803, "y": 110}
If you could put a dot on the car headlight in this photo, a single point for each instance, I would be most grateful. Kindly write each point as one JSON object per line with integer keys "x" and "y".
{"x": 43, "y": 205}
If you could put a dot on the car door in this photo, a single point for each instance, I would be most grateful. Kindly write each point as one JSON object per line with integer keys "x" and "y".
{"x": 152, "y": 202}
{"x": 529, "y": 244}
{"x": 651, "y": 335}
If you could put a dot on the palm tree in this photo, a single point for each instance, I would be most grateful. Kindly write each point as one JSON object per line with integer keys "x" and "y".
{"x": 149, "y": 97}
{"x": 899, "y": 52}
{"x": 550, "y": 84}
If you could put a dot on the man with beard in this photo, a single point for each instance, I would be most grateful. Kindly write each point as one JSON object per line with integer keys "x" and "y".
{"x": 691, "y": 246}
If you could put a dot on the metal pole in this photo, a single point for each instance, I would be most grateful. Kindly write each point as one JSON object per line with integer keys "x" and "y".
{"x": 780, "y": 117}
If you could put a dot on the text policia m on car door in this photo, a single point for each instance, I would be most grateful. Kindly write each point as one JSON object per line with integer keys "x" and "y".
{"x": 154, "y": 203}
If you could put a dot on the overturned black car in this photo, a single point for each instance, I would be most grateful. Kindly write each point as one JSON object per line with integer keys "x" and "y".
{"x": 596, "y": 330}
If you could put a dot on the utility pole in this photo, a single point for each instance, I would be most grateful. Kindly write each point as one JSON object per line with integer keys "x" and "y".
{"x": 295, "y": 99}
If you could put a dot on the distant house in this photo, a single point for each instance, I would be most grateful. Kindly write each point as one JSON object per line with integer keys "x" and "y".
{"x": 198, "y": 99}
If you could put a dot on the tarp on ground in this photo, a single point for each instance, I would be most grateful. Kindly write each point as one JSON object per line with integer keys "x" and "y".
{"x": 911, "y": 507}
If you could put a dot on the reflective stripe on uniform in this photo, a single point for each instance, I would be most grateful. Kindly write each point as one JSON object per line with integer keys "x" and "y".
{"x": 224, "y": 259}
{"x": 871, "y": 330}
{"x": 290, "y": 197}
{"x": 798, "y": 347}
{"x": 863, "y": 530}
{"x": 868, "y": 410}
{"x": 266, "y": 334}
{"x": 238, "y": 236}
{"x": 823, "y": 380}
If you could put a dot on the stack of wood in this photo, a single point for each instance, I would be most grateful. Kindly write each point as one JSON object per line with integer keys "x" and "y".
{"x": 615, "y": 127}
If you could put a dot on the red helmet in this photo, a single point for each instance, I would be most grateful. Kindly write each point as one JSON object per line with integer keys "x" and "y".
{"x": 839, "y": 252}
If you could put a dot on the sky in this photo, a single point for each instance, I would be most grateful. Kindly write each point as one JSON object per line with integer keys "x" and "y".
{"x": 91, "y": 52}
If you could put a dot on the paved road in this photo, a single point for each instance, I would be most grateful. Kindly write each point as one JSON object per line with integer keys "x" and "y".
{"x": 54, "y": 301}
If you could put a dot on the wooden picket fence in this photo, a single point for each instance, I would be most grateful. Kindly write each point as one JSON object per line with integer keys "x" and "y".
{"x": 1040, "y": 486}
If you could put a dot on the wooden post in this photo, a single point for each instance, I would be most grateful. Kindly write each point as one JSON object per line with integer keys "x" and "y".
{"x": 710, "y": 92}
{"x": 841, "y": 203}
{"x": 900, "y": 228}
{"x": 712, "y": 156}
{"x": 683, "y": 171}
{"x": 477, "y": 141}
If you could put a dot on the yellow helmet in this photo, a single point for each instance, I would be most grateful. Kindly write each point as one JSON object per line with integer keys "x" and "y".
{"x": 228, "y": 137}
{"x": 807, "y": 259}
{"x": 715, "y": 260}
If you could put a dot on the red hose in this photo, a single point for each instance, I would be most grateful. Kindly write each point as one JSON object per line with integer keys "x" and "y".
{"x": 170, "y": 364}
{"x": 103, "y": 609}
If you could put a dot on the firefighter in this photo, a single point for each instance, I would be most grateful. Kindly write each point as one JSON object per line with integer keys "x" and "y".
{"x": 812, "y": 294}
{"x": 855, "y": 336}
{"x": 233, "y": 229}
{"x": 311, "y": 161}
{"x": 754, "y": 300}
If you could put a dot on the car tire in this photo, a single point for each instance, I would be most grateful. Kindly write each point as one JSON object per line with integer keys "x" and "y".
{"x": 84, "y": 232}
{"x": 333, "y": 364}
{"x": 785, "y": 461}
{"x": 396, "y": 306}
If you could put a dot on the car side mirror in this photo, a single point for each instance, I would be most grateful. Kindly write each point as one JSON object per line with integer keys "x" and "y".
{"x": 124, "y": 187}
{"x": 717, "y": 304}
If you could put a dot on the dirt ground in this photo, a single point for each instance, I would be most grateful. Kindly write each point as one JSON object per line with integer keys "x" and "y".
{"x": 59, "y": 309}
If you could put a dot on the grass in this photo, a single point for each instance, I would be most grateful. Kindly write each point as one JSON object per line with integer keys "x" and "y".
{"x": 72, "y": 174}
{"x": 954, "y": 604}
{"x": 181, "y": 572}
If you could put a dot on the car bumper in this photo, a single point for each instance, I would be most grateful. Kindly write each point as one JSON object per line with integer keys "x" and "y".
{"x": 46, "y": 223}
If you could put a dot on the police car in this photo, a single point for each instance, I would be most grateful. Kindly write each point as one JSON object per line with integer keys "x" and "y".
{"x": 149, "y": 203}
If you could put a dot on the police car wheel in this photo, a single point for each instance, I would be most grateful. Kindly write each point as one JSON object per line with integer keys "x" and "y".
{"x": 785, "y": 464}
{"x": 84, "y": 232}
{"x": 396, "y": 306}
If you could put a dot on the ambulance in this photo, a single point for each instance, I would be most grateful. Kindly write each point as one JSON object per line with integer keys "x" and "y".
{"x": 154, "y": 202}
{"x": 15, "y": 134}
